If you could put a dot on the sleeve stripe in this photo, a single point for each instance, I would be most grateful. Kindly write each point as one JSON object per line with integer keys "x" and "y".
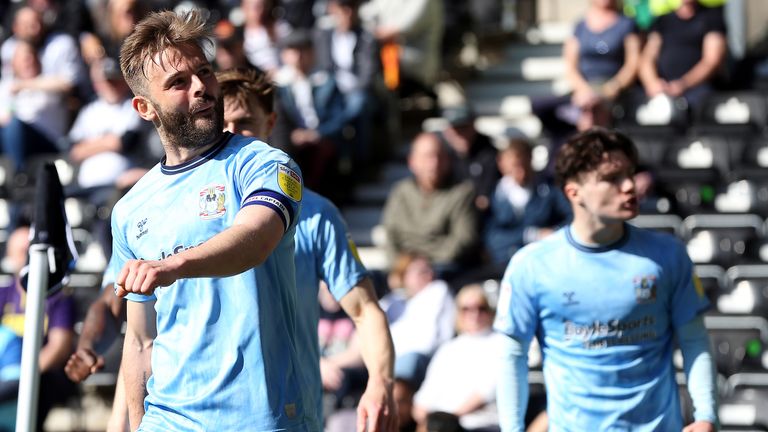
{"x": 273, "y": 200}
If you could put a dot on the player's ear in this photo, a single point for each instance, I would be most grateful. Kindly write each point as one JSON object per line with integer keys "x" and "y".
{"x": 572, "y": 191}
{"x": 144, "y": 107}
{"x": 271, "y": 120}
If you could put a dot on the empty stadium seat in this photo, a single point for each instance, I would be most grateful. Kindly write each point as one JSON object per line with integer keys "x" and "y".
{"x": 744, "y": 407}
{"x": 671, "y": 224}
{"x": 692, "y": 190}
{"x": 747, "y": 291}
{"x": 729, "y": 113}
{"x": 723, "y": 239}
{"x": 738, "y": 343}
{"x": 713, "y": 280}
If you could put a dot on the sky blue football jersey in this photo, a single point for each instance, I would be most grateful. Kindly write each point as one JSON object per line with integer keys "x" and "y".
{"x": 605, "y": 318}
{"x": 324, "y": 251}
{"x": 226, "y": 354}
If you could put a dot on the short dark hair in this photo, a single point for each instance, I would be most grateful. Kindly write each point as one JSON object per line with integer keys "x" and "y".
{"x": 242, "y": 84}
{"x": 584, "y": 152}
{"x": 520, "y": 147}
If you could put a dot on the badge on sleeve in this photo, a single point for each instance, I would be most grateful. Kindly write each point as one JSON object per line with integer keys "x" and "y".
{"x": 289, "y": 182}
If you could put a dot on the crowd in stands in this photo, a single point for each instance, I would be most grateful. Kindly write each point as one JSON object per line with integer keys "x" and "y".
{"x": 472, "y": 201}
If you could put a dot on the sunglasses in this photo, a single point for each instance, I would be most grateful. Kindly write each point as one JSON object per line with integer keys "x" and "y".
{"x": 474, "y": 308}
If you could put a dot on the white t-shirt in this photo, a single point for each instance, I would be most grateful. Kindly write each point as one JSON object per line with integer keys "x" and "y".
{"x": 465, "y": 366}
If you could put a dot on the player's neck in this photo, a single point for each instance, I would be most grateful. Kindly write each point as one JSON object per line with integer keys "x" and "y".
{"x": 177, "y": 155}
{"x": 593, "y": 232}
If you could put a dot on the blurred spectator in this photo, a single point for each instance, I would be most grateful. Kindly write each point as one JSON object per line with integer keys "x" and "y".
{"x": 473, "y": 154}
{"x": 351, "y": 53}
{"x": 421, "y": 314}
{"x": 121, "y": 17}
{"x": 416, "y": 27}
{"x": 403, "y": 392}
{"x": 684, "y": 52}
{"x": 261, "y": 31}
{"x": 601, "y": 60}
{"x": 60, "y": 70}
{"x": 230, "y": 51}
{"x": 102, "y": 140}
{"x": 461, "y": 377}
{"x": 523, "y": 208}
{"x": 70, "y": 17}
{"x": 432, "y": 214}
{"x": 310, "y": 115}
{"x": 58, "y": 337}
{"x": 10, "y": 372}
{"x": 299, "y": 14}
{"x": 97, "y": 132}
{"x": 32, "y": 118}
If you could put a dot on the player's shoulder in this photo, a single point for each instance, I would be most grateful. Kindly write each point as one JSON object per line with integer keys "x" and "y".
{"x": 138, "y": 193}
{"x": 251, "y": 148}
{"x": 542, "y": 249}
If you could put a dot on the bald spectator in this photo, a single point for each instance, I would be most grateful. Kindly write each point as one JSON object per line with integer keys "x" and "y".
{"x": 431, "y": 214}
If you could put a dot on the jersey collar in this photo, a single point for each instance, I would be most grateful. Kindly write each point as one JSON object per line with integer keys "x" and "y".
{"x": 597, "y": 249}
{"x": 197, "y": 161}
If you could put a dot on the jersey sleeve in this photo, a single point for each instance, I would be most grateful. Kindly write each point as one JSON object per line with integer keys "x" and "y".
{"x": 120, "y": 255}
{"x": 517, "y": 314}
{"x": 688, "y": 297}
{"x": 273, "y": 181}
{"x": 340, "y": 263}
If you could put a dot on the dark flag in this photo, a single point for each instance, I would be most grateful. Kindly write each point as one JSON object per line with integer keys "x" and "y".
{"x": 51, "y": 229}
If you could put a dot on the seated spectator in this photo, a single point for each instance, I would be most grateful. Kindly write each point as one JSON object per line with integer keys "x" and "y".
{"x": 350, "y": 53}
{"x": 421, "y": 314}
{"x": 102, "y": 142}
{"x": 461, "y": 377}
{"x": 415, "y": 28}
{"x": 523, "y": 208}
{"x": 59, "y": 71}
{"x": 311, "y": 115}
{"x": 32, "y": 120}
{"x": 261, "y": 32}
{"x": 473, "y": 155}
{"x": 430, "y": 213}
{"x": 58, "y": 338}
{"x": 684, "y": 52}
{"x": 230, "y": 49}
{"x": 122, "y": 16}
{"x": 601, "y": 60}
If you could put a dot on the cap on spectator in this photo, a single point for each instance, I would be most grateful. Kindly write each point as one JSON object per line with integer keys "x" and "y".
{"x": 297, "y": 39}
{"x": 461, "y": 115}
{"x": 111, "y": 69}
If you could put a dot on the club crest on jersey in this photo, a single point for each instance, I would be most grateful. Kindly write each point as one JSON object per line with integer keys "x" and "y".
{"x": 645, "y": 289}
{"x": 289, "y": 182}
{"x": 212, "y": 199}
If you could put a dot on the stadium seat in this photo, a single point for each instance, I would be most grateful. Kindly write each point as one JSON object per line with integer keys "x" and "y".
{"x": 713, "y": 280}
{"x": 730, "y": 113}
{"x": 671, "y": 224}
{"x": 755, "y": 152}
{"x": 744, "y": 407}
{"x": 700, "y": 152}
{"x": 693, "y": 190}
{"x": 723, "y": 239}
{"x": 747, "y": 291}
{"x": 738, "y": 343}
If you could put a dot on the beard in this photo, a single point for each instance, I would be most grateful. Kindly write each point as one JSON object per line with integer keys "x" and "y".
{"x": 190, "y": 130}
